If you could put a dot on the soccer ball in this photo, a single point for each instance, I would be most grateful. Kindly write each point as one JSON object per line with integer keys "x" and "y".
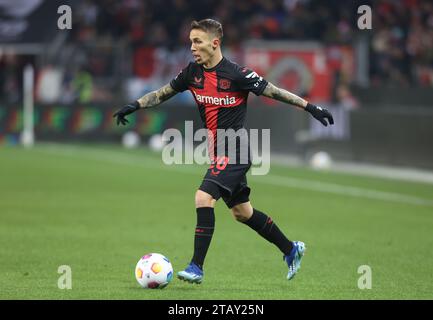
{"x": 131, "y": 140}
{"x": 156, "y": 142}
{"x": 321, "y": 161}
{"x": 153, "y": 271}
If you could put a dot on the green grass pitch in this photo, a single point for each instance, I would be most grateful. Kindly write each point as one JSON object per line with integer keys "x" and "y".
{"x": 98, "y": 209}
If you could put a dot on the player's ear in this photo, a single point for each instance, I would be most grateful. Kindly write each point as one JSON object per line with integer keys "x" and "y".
{"x": 215, "y": 43}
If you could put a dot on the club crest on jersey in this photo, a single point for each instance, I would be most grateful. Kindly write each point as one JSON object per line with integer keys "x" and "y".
{"x": 224, "y": 84}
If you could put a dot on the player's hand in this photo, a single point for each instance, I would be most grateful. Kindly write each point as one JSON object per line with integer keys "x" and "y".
{"x": 128, "y": 109}
{"x": 320, "y": 114}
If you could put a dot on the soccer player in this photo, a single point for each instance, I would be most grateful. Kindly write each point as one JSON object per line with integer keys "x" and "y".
{"x": 220, "y": 88}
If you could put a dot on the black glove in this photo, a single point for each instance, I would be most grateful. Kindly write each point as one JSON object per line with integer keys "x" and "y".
{"x": 129, "y": 108}
{"x": 320, "y": 114}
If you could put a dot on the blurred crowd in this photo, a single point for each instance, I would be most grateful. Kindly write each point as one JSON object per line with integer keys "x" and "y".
{"x": 401, "y": 41}
{"x": 166, "y": 23}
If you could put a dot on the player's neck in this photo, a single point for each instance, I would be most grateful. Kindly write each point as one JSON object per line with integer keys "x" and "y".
{"x": 213, "y": 61}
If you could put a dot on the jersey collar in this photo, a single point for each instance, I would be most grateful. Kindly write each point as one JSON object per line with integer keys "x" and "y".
{"x": 215, "y": 67}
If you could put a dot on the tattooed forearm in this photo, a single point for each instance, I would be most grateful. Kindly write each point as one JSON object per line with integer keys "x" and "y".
{"x": 156, "y": 97}
{"x": 276, "y": 93}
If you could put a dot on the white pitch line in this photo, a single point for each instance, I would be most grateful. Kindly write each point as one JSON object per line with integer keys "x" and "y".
{"x": 295, "y": 183}
{"x": 333, "y": 188}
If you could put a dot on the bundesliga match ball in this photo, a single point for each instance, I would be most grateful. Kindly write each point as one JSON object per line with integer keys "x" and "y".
{"x": 153, "y": 271}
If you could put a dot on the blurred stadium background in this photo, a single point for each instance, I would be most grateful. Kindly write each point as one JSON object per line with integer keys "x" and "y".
{"x": 63, "y": 204}
{"x": 377, "y": 82}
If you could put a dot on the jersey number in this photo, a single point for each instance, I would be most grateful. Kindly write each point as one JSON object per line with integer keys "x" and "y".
{"x": 219, "y": 164}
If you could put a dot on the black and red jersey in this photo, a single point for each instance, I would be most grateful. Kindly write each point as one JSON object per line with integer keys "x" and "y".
{"x": 220, "y": 92}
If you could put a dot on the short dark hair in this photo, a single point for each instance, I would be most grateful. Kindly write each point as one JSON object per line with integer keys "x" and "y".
{"x": 209, "y": 25}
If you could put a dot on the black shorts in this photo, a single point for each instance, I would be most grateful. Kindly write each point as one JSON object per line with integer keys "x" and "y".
{"x": 227, "y": 181}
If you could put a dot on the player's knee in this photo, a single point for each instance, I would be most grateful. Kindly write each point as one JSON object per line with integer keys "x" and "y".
{"x": 242, "y": 212}
{"x": 238, "y": 215}
{"x": 203, "y": 199}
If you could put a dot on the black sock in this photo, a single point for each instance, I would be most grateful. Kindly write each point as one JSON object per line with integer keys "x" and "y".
{"x": 203, "y": 234}
{"x": 265, "y": 227}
